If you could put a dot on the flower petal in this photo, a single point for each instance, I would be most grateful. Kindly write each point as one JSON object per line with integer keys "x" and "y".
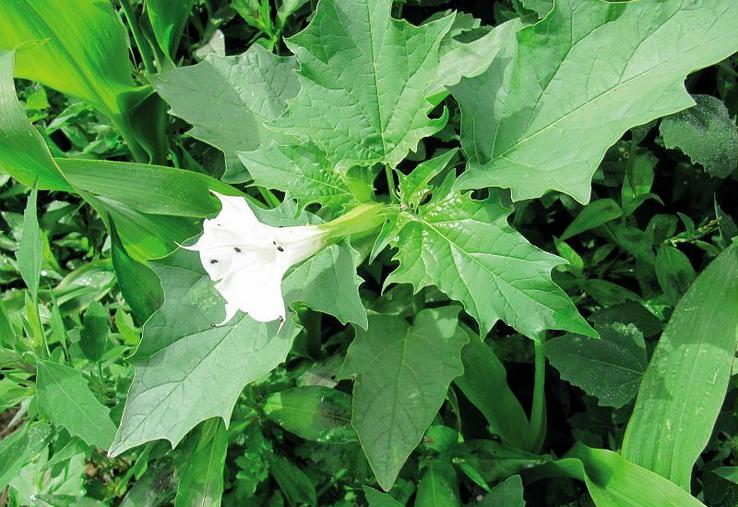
{"x": 255, "y": 288}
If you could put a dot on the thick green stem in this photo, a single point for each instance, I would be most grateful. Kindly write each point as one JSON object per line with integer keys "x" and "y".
{"x": 389, "y": 174}
{"x": 134, "y": 147}
{"x": 538, "y": 407}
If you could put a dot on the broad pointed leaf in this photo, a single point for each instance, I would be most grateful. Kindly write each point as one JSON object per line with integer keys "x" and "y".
{"x": 402, "y": 375}
{"x": 610, "y": 368}
{"x": 467, "y": 249}
{"x": 543, "y": 114}
{"x": 187, "y": 370}
{"x": 363, "y": 79}
{"x": 228, "y": 99}
{"x": 300, "y": 170}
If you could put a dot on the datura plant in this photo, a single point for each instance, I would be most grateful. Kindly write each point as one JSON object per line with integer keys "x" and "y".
{"x": 368, "y": 252}
{"x": 248, "y": 259}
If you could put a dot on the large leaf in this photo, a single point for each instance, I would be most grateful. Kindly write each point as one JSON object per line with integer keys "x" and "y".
{"x": 229, "y": 99}
{"x": 63, "y": 395}
{"x": 300, "y": 170}
{"x": 363, "y": 79}
{"x": 610, "y": 368}
{"x": 187, "y": 370}
{"x": 468, "y": 250}
{"x": 543, "y": 114}
{"x": 402, "y": 375}
{"x": 685, "y": 383}
{"x": 80, "y": 51}
{"x": 614, "y": 481}
{"x": 23, "y": 152}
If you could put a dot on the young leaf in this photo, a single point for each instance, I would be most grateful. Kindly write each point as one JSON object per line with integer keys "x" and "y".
{"x": 576, "y": 81}
{"x": 630, "y": 312}
{"x": 63, "y": 395}
{"x": 31, "y": 252}
{"x": 229, "y": 99}
{"x": 706, "y": 134}
{"x": 494, "y": 461}
{"x": 540, "y": 7}
{"x": 363, "y": 79}
{"x": 7, "y": 333}
{"x": 610, "y": 368}
{"x": 467, "y": 249}
{"x": 138, "y": 284}
{"x": 415, "y": 185}
{"x": 202, "y": 478}
{"x": 468, "y": 59}
{"x": 331, "y": 284}
{"x": 394, "y": 404}
{"x": 685, "y": 383}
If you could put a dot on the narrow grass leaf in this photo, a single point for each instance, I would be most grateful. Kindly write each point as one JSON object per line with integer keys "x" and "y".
{"x": 684, "y": 386}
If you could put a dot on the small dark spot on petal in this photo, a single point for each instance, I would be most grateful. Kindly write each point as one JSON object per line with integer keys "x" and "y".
{"x": 213, "y": 261}
{"x": 219, "y": 225}
{"x": 274, "y": 243}
{"x": 280, "y": 249}
{"x": 280, "y": 318}
{"x": 236, "y": 249}
{"x": 213, "y": 325}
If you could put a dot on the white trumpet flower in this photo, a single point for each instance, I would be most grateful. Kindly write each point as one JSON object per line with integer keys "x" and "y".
{"x": 248, "y": 259}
